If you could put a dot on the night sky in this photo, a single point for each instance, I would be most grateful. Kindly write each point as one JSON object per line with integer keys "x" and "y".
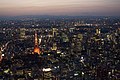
{"x": 60, "y": 7}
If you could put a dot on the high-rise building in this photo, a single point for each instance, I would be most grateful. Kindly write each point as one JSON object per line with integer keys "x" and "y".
{"x": 54, "y": 47}
{"x": 36, "y": 47}
{"x": 22, "y": 33}
{"x": 98, "y": 31}
{"x": 1, "y": 55}
{"x": 54, "y": 31}
{"x": 80, "y": 37}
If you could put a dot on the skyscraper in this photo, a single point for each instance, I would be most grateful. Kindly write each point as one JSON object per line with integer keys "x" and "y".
{"x": 98, "y": 31}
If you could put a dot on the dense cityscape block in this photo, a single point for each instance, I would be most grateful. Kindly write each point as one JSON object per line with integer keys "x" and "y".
{"x": 60, "y": 48}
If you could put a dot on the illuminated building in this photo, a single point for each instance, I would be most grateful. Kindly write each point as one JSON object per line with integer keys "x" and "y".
{"x": 54, "y": 47}
{"x": 98, "y": 31}
{"x": 22, "y": 33}
{"x": 97, "y": 35}
{"x": 80, "y": 36}
{"x": 36, "y": 47}
{"x": 40, "y": 39}
{"x": 47, "y": 74}
{"x": 53, "y": 31}
{"x": 65, "y": 37}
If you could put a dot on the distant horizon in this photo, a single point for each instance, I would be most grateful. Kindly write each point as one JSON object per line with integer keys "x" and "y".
{"x": 62, "y": 16}
{"x": 56, "y": 15}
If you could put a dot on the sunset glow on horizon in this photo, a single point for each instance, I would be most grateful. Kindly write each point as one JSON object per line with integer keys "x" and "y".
{"x": 60, "y": 7}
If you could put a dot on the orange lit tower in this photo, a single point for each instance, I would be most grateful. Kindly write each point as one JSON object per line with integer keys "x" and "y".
{"x": 36, "y": 47}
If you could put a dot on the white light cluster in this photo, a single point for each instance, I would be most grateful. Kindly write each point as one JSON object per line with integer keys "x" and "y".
{"x": 47, "y": 69}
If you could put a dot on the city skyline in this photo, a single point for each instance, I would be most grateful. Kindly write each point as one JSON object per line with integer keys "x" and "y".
{"x": 62, "y": 7}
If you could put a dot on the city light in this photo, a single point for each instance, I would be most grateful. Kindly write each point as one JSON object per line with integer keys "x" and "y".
{"x": 47, "y": 69}
{"x": 59, "y": 48}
